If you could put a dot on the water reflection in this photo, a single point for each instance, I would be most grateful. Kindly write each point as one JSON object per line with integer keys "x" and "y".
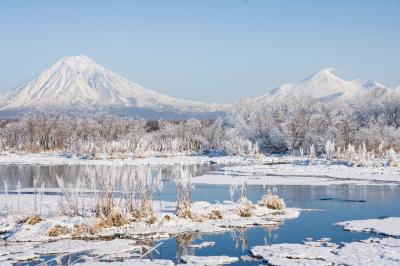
{"x": 47, "y": 174}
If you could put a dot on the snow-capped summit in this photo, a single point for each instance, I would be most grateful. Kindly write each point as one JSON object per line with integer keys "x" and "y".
{"x": 370, "y": 84}
{"x": 78, "y": 81}
{"x": 322, "y": 85}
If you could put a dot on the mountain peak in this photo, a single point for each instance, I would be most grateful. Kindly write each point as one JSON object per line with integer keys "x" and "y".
{"x": 78, "y": 81}
{"x": 78, "y": 63}
{"x": 324, "y": 75}
{"x": 321, "y": 85}
{"x": 76, "y": 58}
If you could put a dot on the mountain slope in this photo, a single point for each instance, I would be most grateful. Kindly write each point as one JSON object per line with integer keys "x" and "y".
{"x": 79, "y": 82}
{"x": 323, "y": 85}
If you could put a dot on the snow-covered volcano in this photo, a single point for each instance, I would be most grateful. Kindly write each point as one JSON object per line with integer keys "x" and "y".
{"x": 79, "y": 82}
{"x": 323, "y": 85}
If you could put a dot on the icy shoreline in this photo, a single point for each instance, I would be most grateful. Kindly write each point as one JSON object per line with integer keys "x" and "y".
{"x": 53, "y": 158}
{"x": 297, "y": 174}
{"x": 255, "y": 170}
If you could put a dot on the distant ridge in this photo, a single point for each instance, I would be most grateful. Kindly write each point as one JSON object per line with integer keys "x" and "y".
{"x": 77, "y": 85}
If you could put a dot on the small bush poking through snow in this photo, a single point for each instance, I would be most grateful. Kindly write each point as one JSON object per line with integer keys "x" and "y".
{"x": 392, "y": 158}
{"x": 81, "y": 229}
{"x": 58, "y": 230}
{"x": 34, "y": 219}
{"x": 272, "y": 201}
{"x": 115, "y": 218}
{"x": 184, "y": 210}
{"x": 244, "y": 208}
{"x": 215, "y": 215}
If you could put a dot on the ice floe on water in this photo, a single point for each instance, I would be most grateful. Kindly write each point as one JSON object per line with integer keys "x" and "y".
{"x": 372, "y": 251}
{"x": 202, "y": 245}
{"x": 133, "y": 262}
{"x": 11, "y": 252}
{"x": 389, "y": 226}
{"x": 208, "y": 260}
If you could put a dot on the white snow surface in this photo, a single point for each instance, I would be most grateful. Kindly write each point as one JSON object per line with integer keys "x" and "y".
{"x": 291, "y": 171}
{"x": 134, "y": 262}
{"x": 389, "y": 226}
{"x": 13, "y": 252}
{"x": 14, "y": 230}
{"x": 372, "y": 251}
{"x": 78, "y": 81}
{"x": 61, "y": 158}
{"x": 208, "y": 260}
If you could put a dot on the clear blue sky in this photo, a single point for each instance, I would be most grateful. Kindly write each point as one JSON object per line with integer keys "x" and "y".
{"x": 204, "y": 50}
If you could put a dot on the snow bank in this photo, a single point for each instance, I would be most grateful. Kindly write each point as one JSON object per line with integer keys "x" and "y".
{"x": 167, "y": 224}
{"x": 387, "y": 226}
{"x": 373, "y": 251}
{"x": 52, "y": 158}
{"x": 283, "y": 173}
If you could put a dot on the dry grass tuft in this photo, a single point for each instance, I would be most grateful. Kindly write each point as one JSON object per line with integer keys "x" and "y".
{"x": 184, "y": 210}
{"x": 136, "y": 215}
{"x": 34, "y": 219}
{"x": 166, "y": 218}
{"x": 244, "y": 208}
{"x": 215, "y": 215}
{"x": 58, "y": 230}
{"x": 392, "y": 163}
{"x": 272, "y": 201}
{"x": 82, "y": 229}
{"x": 152, "y": 219}
{"x": 244, "y": 211}
{"x": 115, "y": 218}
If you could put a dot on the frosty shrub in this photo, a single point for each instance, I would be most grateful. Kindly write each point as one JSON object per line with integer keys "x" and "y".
{"x": 184, "y": 187}
{"x": 391, "y": 158}
{"x": 272, "y": 201}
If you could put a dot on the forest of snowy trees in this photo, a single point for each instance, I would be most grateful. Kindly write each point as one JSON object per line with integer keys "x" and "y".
{"x": 371, "y": 123}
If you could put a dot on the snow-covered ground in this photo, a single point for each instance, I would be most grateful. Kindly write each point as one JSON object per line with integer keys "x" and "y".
{"x": 372, "y": 251}
{"x": 21, "y": 240}
{"x": 287, "y": 171}
{"x": 208, "y": 260}
{"x": 54, "y": 158}
{"x": 389, "y": 226}
{"x": 166, "y": 225}
{"x": 12, "y": 252}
